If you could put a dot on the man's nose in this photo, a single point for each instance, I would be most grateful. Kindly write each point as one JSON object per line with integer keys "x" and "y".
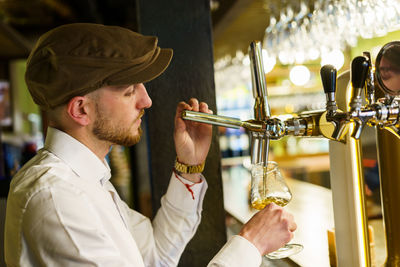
{"x": 144, "y": 100}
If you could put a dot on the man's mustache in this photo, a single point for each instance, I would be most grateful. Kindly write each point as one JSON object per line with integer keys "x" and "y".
{"x": 141, "y": 114}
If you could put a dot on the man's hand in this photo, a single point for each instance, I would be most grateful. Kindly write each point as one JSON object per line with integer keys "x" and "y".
{"x": 269, "y": 229}
{"x": 192, "y": 139}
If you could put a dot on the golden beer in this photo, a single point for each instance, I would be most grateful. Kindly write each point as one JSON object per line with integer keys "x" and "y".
{"x": 259, "y": 204}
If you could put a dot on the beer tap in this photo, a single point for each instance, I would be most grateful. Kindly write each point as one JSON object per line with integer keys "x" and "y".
{"x": 264, "y": 127}
{"x": 328, "y": 77}
{"x": 383, "y": 112}
{"x": 337, "y": 117}
{"x": 386, "y": 114}
{"x": 359, "y": 72}
{"x": 332, "y": 123}
{"x": 358, "y": 114}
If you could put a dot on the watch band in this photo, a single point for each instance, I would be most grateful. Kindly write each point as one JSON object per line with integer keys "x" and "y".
{"x": 183, "y": 168}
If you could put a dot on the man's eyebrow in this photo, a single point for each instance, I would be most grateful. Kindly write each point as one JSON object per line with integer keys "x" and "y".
{"x": 120, "y": 87}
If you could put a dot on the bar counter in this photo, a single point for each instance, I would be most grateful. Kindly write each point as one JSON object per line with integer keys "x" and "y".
{"x": 312, "y": 208}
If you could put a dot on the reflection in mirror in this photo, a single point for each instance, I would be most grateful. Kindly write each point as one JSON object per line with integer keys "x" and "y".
{"x": 388, "y": 68}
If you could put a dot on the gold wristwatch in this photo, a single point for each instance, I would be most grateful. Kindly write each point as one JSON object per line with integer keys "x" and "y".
{"x": 183, "y": 168}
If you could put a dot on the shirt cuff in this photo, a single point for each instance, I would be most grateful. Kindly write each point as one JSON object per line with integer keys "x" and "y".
{"x": 238, "y": 251}
{"x": 180, "y": 197}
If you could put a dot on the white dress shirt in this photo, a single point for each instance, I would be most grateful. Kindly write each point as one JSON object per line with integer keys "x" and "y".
{"x": 63, "y": 211}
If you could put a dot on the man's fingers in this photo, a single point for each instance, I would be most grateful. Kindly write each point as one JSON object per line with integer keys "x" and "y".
{"x": 292, "y": 225}
{"x": 183, "y": 106}
{"x": 284, "y": 215}
{"x": 194, "y": 103}
{"x": 203, "y": 107}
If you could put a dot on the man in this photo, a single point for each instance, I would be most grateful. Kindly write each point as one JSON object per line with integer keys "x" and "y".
{"x": 63, "y": 211}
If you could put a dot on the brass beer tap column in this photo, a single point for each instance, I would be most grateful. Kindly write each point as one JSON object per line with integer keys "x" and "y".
{"x": 389, "y": 172}
{"x": 384, "y": 115}
{"x": 388, "y": 145}
{"x": 352, "y": 247}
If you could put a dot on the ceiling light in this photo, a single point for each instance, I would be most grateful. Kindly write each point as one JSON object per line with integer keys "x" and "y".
{"x": 334, "y": 57}
{"x": 299, "y": 75}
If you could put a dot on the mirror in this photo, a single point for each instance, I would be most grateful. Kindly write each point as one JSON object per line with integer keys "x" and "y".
{"x": 387, "y": 68}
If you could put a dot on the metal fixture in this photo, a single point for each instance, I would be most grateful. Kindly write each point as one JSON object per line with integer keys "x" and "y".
{"x": 345, "y": 126}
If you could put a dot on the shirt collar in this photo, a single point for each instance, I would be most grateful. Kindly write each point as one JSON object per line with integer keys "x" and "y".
{"x": 78, "y": 156}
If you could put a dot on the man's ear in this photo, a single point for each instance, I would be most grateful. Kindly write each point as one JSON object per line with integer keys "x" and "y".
{"x": 78, "y": 108}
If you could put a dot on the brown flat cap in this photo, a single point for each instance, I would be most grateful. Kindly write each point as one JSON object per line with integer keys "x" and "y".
{"x": 75, "y": 59}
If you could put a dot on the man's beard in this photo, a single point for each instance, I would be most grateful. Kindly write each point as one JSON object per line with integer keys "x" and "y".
{"x": 104, "y": 129}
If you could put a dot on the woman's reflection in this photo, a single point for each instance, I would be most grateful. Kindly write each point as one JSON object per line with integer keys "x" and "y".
{"x": 389, "y": 69}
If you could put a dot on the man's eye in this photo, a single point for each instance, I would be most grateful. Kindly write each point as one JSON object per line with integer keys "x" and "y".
{"x": 131, "y": 90}
{"x": 129, "y": 93}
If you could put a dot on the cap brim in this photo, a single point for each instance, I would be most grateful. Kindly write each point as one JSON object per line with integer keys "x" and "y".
{"x": 147, "y": 74}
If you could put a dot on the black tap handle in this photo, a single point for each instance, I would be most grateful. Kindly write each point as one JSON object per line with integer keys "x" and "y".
{"x": 359, "y": 71}
{"x": 328, "y": 77}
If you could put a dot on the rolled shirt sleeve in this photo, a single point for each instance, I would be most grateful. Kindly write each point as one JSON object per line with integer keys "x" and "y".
{"x": 237, "y": 252}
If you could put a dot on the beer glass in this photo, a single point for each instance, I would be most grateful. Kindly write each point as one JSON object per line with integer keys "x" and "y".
{"x": 267, "y": 186}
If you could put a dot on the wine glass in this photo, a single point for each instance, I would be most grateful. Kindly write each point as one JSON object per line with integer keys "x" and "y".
{"x": 267, "y": 186}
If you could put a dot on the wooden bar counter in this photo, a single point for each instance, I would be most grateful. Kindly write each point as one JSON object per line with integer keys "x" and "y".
{"x": 311, "y": 206}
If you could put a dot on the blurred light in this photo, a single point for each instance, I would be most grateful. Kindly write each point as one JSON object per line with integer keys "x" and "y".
{"x": 268, "y": 60}
{"x": 239, "y": 55}
{"x": 375, "y": 51}
{"x": 246, "y": 61}
{"x": 214, "y": 5}
{"x": 289, "y": 108}
{"x": 284, "y": 57}
{"x": 299, "y": 75}
{"x": 313, "y": 53}
{"x": 334, "y": 57}
{"x": 300, "y": 57}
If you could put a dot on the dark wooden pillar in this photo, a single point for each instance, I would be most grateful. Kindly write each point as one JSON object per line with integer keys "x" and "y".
{"x": 184, "y": 26}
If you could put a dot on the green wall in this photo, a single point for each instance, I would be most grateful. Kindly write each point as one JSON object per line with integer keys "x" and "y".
{"x": 374, "y": 44}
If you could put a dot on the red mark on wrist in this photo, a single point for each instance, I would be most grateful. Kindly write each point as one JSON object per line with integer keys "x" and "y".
{"x": 188, "y": 186}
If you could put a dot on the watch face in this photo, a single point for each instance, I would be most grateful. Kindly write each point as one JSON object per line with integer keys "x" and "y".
{"x": 387, "y": 68}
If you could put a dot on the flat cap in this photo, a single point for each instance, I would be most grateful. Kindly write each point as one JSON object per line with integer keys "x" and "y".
{"x": 75, "y": 59}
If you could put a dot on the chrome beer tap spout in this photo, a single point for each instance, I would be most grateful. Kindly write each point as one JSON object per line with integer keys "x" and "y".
{"x": 333, "y": 115}
{"x": 359, "y": 115}
{"x": 386, "y": 113}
